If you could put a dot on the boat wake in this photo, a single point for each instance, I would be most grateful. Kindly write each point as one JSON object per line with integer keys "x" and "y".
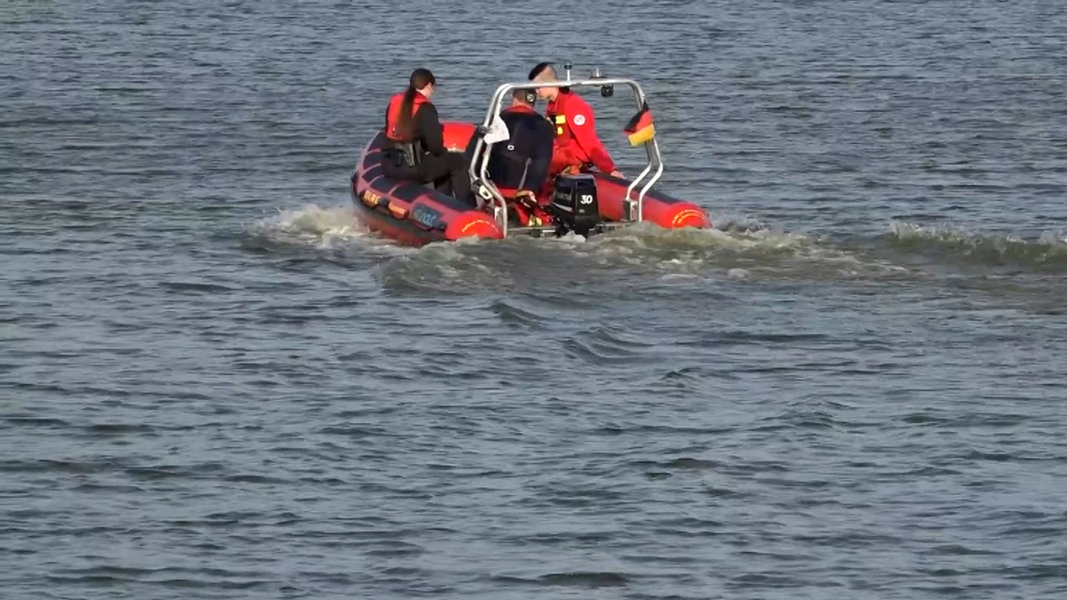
{"x": 733, "y": 250}
{"x": 741, "y": 248}
{"x": 574, "y": 271}
{"x": 988, "y": 251}
{"x": 637, "y": 255}
{"x": 312, "y": 228}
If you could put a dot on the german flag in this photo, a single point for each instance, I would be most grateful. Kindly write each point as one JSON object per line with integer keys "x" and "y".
{"x": 641, "y": 129}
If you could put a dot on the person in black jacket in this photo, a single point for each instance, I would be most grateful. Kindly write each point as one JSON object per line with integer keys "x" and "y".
{"x": 415, "y": 146}
{"x": 521, "y": 164}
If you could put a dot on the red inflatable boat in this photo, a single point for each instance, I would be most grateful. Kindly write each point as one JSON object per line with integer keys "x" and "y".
{"x": 586, "y": 203}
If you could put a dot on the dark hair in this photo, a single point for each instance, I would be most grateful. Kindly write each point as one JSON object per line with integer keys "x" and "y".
{"x": 540, "y": 68}
{"x": 418, "y": 80}
{"x": 527, "y": 96}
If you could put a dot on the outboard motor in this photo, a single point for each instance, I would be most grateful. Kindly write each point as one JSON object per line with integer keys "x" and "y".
{"x": 574, "y": 204}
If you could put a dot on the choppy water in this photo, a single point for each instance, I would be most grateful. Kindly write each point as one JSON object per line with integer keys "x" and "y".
{"x": 215, "y": 384}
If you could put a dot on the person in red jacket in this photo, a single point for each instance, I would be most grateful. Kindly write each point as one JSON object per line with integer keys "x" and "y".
{"x": 415, "y": 148}
{"x": 577, "y": 146}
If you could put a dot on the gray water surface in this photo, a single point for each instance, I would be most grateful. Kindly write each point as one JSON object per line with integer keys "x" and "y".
{"x": 215, "y": 383}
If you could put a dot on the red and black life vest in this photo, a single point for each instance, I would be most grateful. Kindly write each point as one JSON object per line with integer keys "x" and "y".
{"x": 392, "y": 115}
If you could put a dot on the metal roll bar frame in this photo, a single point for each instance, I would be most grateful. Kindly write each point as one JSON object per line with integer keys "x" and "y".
{"x": 479, "y": 164}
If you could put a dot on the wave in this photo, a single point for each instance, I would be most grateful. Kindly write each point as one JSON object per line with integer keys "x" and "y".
{"x": 615, "y": 259}
{"x": 319, "y": 228}
{"x": 732, "y": 250}
{"x": 738, "y": 252}
{"x": 1047, "y": 254}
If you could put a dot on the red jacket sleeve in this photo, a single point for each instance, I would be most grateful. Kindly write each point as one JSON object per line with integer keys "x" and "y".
{"x": 582, "y": 124}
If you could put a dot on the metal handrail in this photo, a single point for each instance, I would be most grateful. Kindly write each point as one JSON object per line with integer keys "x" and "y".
{"x": 630, "y": 189}
{"x": 648, "y": 186}
{"x": 479, "y": 165}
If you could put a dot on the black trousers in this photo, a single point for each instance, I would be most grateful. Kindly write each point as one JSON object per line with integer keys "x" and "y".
{"x": 448, "y": 173}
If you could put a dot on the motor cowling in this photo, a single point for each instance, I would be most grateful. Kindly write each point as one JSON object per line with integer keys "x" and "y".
{"x": 574, "y": 203}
